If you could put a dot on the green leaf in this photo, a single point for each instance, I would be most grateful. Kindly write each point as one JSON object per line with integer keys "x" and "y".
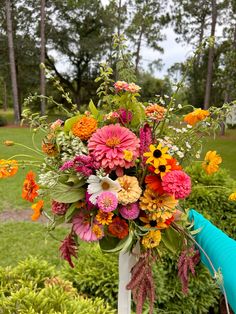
{"x": 93, "y": 109}
{"x": 172, "y": 240}
{"x": 64, "y": 193}
{"x": 75, "y": 180}
{"x": 70, "y": 212}
{"x": 108, "y": 243}
{"x": 121, "y": 245}
{"x": 69, "y": 123}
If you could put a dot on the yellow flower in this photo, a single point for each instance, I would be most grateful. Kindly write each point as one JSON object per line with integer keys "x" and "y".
{"x": 8, "y": 168}
{"x": 98, "y": 231}
{"x": 157, "y": 155}
{"x": 196, "y": 116}
{"x": 8, "y": 143}
{"x": 158, "y": 206}
{"x": 128, "y": 155}
{"x": 104, "y": 218}
{"x": 162, "y": 170}
{"x": 150, "y": 223}
{"x": 232, "y": 196}
{"x": 211, "y": 162}
{"x": 152, "y": 239}
{"x": 130, "y": 190}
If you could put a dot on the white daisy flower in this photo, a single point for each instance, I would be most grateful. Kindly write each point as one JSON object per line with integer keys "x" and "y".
{"x": 98, "y": 185}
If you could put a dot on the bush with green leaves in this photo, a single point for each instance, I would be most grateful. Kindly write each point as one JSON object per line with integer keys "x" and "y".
{"x": 96, "y": 274}
{"x": 34, "y": 287}
{"x": 210, "y": 195}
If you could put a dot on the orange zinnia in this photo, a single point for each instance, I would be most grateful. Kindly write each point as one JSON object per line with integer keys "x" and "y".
{"x": 154, "y": 183}
{"x": 155, "y": 112}
{"x": 30, "y": 187}
{"x": 8, "y": 168}
{"x": 211, "y": 162}
{"x": 197, "y": 115}
{"x": 84, "y": 127}
{"x": 37, "y": 208}
{"x": 173, "y": 163}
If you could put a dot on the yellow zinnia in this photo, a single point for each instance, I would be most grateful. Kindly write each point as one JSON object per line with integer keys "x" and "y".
{"x": 104, "y": 218}
{"x": 152, "y": 239}
{"x": 8, "y": 168}
{"x": 130, "y": 190}
{"x": 159, "y": 206}
{"x": 157, "y": 155}
{"x": 211, "y": 162}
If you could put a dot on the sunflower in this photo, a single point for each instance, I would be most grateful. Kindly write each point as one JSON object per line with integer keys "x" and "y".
{"x": 211, "y": 162}
{"x": 157, "y": 155}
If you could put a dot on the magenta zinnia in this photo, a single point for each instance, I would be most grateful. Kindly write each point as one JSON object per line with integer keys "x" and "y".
{"x": 130, "y": 211}
{"x": 108, "y": 144}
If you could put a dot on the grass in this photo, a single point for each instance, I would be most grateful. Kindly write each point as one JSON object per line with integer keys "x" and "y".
{"x": 10, "y": 188}
{"x": 226, "y": 147}
{"x": 20, "y": 240}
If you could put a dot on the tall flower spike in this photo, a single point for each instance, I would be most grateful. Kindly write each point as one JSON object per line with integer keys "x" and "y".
{"x": 145, "y": 135}
{"x": 68, "y": 249}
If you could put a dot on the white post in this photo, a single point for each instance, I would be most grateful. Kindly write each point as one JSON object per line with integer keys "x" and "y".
{"x": 126, "y": 262}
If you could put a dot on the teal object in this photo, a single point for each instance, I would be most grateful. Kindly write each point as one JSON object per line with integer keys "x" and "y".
{"x": 221, "y": 250}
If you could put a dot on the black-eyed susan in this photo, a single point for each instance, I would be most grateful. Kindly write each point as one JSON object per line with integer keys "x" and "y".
{"x": 157, "y": 155}
{"x": 162, "y": 170}
{"x": 153, "y": 223}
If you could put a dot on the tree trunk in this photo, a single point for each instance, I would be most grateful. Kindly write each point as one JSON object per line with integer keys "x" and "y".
{"x": 4, "y": 96}
{"x": 137, "y": 59}
{"x": 12, "y": 61}
{"x": 210, "y": 57}
{"x": 42, "y": 58}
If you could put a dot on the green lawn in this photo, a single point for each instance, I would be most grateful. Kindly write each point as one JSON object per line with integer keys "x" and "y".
{"x": 19, "y": 240}
{"x": 226, "y": 147}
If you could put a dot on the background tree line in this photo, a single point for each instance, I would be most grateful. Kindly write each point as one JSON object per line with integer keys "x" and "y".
{"x": 72, "y": 37}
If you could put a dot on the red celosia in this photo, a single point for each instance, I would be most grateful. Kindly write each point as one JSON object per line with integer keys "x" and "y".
{"x": 68, "y": 249}
{"x": 188, "y": 259}
{"x": 145, "y": 136}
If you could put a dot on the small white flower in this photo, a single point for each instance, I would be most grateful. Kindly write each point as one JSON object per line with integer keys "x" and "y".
{"x": 198, "y": 155}
{"x": 188, "y": 145}
{"x": 175, "y": 148}
{"x": 180, "y": 106}
{"x": 180, "y": 154}
{"x": 98, "y": 185}
{"x": 166, "y": 96}
{"x": 184, "y": 130}
{"x": 171, "y": 109}
{"x": 189, "y": 126}
{"x": 178, "y": 130}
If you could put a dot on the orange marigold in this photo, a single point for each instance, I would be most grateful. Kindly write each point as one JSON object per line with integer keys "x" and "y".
{"x": 84, "y": 127}
{"x": 37, "y": 208}
{"x": 49, "y": 149}
{"x": 30, "y": 187}
{"x": 155, "y": 112}
{"x": 197, "y": 115}
{"x": 8, "y": 168}
{"x": 211, "y": 162}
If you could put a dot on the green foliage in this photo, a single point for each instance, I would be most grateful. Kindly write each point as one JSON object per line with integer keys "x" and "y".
{"x": 213, "y": 202}
{"x": 32, "y": 287}
{"x": 3, "y": 121}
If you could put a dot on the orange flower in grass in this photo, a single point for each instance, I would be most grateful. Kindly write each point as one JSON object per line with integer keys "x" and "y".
{"x": 196, "y": 116}
{"x": 211, "y": 162}
{"x": 37, "y": 208}
{"x": 8, "y": 168}
{"x": 30, "y": 187}
{"x": 84, "y": 127}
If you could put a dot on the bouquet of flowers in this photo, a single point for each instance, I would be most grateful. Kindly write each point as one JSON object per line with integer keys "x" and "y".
{"x": 116, "y": 174}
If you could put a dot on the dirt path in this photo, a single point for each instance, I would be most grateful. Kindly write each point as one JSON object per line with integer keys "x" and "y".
{"x": 19, "y": 215}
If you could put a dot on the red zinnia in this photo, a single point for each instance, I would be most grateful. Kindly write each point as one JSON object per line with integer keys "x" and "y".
{"x": 119, "y": 228}
{"x": 154, "y": 183}
{"x": 30, "y": 187}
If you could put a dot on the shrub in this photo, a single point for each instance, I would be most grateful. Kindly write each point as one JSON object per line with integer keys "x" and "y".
{"x": 213, "y": 202}
{"x": 32, "y": 287}
{"x": 3, "y": 121}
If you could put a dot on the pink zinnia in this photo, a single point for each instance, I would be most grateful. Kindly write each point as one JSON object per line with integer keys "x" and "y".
{"x": 130, "y": 211}
{"x": 120, "y": 86}
{"x": 107, "y": 202}
{"x": 108, "y": 144}
{"x": 177, "y": 183}
{"x": 83, "y": 227}
{"x": 59, "y": 208}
